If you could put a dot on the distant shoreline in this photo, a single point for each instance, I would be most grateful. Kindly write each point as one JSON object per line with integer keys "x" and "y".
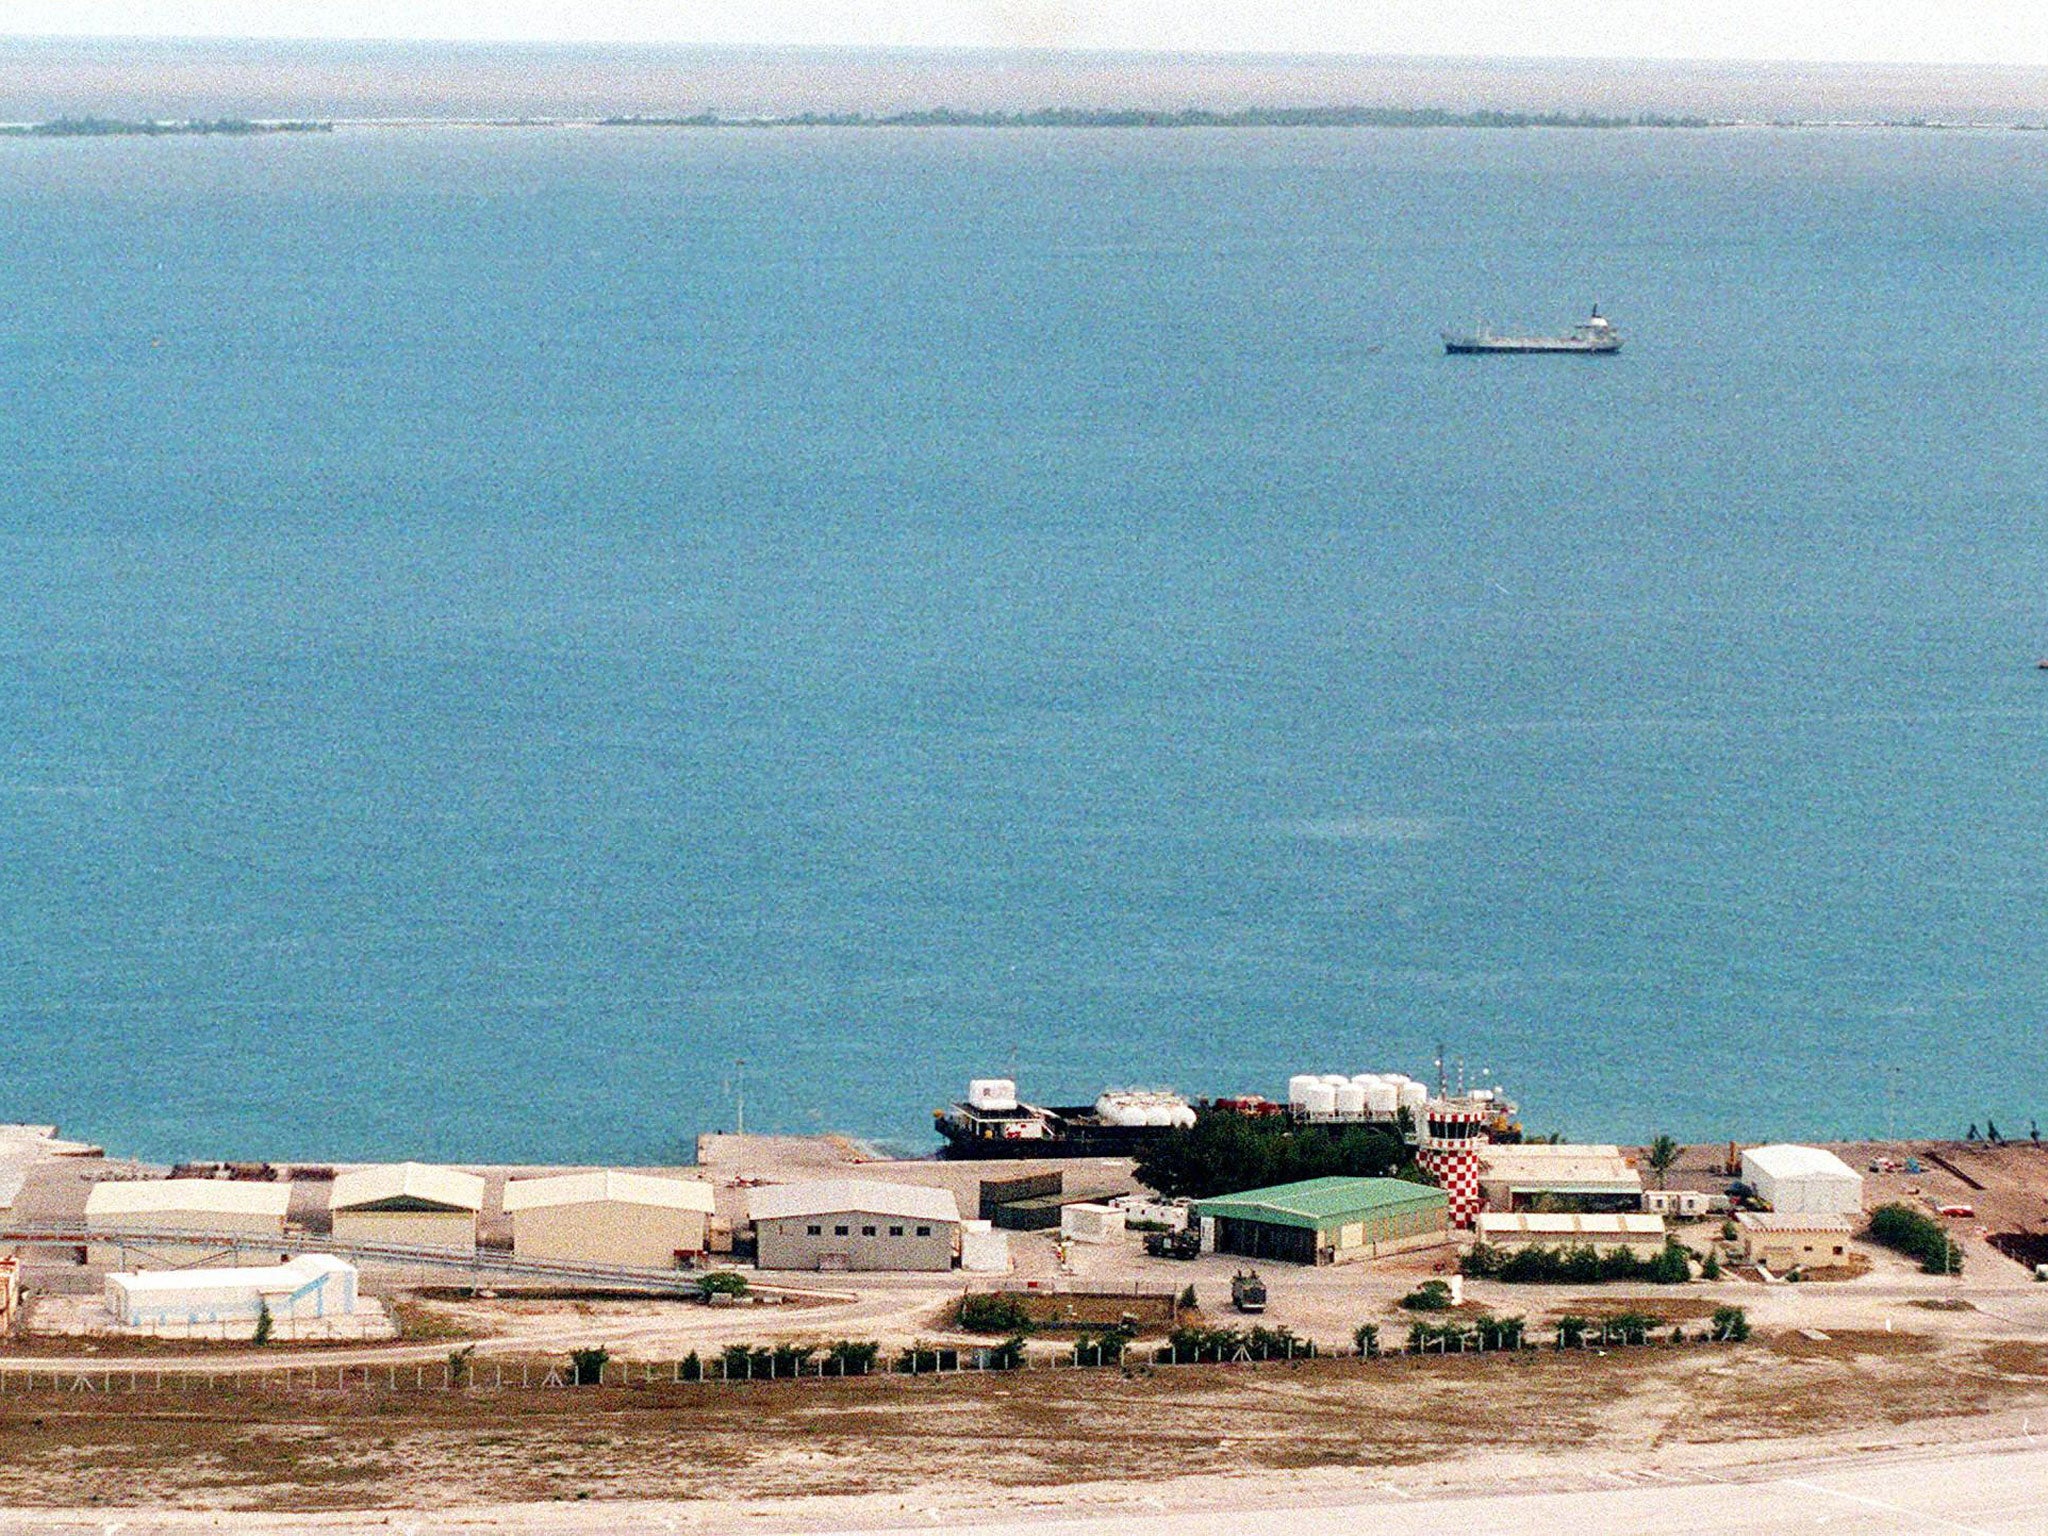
{"x": 94, "y": 127}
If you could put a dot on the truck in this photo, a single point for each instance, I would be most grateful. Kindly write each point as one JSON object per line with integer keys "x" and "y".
{"x": 1184, "y": 1244}
{"x": 1248, "y": 1291}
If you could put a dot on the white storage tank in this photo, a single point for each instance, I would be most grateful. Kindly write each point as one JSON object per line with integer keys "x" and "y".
{"x": 1334, "y": 1079}
{"x": 992, "y": 1093}
{"x": 1117, "y": 1109}
{"x": 1298, "y": 1087}
{"x": 1413, "y": 1096}
{"x": 1319, "y": 1099}
{"x": 1383, "y": 1099}
{"x": 1183, "y": 1116}
{"x": 1351, "y": 1101}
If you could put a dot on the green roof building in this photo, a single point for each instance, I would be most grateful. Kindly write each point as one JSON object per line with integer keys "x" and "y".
{"x": 1326, "y": 1221}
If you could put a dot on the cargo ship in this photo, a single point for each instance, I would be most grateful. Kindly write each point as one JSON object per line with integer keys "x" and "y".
{"x": 993, "y": 1122}
{"x": 1596, "y": 335}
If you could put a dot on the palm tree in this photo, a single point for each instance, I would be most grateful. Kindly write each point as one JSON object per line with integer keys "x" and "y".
{"x": 1663, "y": 1156}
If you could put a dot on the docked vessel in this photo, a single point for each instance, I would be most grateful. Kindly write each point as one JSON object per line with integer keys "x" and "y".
{"x": 1596, "y": 335}
{"x": 993, "y": 1122}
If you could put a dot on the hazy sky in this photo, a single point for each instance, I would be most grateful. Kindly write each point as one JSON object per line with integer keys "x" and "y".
{"x": 1858, "y": 31}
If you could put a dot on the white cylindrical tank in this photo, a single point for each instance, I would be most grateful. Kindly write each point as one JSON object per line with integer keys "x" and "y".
{"x": 1383, "y": 1098}
{"x": 1183, "y": 1116}
{"x": 1334, "y": 1079}
{"x": 1319, "y": 1099}
{"x": 1110, "y": 1108}
{"x": 992, "y": 1093}
{"x": 1366, "y": 1079}
{"x": 1298, "y": 1087}
{"x": 1351, "y": 1101}
{"x": 1413, "y": 1097}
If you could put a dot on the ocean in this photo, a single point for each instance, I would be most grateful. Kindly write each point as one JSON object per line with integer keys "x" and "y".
{"x": 515, "y": 639}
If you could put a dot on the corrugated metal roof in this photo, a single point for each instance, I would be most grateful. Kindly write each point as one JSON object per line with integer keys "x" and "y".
{"x": 867, "y": 1197}
{"x": 154, "y": 1197}
{"x": 1568, "y": 1224}
{"x": 1795, "y": 1221}
{"x": 1784, "y": 1161}
{"x": 609, "y": 1186}
{"x": 1321, "y": 1203}
{"x": 449, "y": 1187}
{"x": 1566, "y": 1169}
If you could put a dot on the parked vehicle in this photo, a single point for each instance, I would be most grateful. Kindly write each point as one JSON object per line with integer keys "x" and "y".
{"x": 1184, "y": 1244}
{"x": 1248, "y": 1291}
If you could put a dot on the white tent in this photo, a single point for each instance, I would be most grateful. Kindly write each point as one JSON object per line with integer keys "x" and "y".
{"x": 1802, "y": 1179}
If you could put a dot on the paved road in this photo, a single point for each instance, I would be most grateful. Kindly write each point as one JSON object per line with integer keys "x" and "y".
{"x": 1983, "y": 1490}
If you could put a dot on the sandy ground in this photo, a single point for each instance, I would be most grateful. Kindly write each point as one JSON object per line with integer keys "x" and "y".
{"x": 1851, "y": 1375}
{"x": 958, "y": 1450}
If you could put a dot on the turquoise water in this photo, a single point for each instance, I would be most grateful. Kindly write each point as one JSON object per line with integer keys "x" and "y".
{"x": 501, "y": 625}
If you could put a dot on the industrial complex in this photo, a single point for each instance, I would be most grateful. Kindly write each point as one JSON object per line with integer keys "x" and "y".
{"x": 92, "y": 1245}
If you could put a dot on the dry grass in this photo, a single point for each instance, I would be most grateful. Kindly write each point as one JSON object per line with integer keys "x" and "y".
{"x": 368, "y": 1449}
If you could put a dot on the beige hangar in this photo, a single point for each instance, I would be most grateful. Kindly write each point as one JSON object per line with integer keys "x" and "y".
{"x": 632, "y": 1220}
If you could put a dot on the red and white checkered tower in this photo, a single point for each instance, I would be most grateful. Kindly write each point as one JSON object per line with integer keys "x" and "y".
{"x": 1447, "y": 1145}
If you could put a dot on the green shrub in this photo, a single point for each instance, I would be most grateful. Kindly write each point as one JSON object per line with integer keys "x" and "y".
{"x": 1499, "y": 1332}
{"x": 1730, "y": 1324}
{"x": 1430, "y": 1296}
{"x": 1902, "y": 1228}
{"x": 1572, "y": 1330}
{"x": 920, "y": 1358}
{"x": 265, "y": 1323}
{"x": 692, "y": 1367}
{"x": 1671, "y": 1267}
{"x": 1627, "y": 1328}
{"x": 1278, "y": 1344}
{"x": 845, "y": 1357}
{"x": 747, "y": 1362}
{"x": 723, "y": 1282}
{"x": 1187, "y": 1300}
{"x": 1578, "y": 1264}
{"x": 1710, "y": 1267}
{"x": 790, "y": 1359}
{"x": 1365, "y": 1338}
{"x": 1186, "y": 1345}
{"x": 986, "y": 1312}
{"x": 586, "y": 1366}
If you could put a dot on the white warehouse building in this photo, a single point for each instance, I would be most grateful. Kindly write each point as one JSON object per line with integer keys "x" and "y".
{"x": 1805, "y": 1180}
{"x": 313, "y": 1286}
{"x": 129, "y": 1222}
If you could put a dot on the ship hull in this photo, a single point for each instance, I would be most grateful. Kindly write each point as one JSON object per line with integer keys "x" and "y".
{"x": 1070, "y": 1137}
{"x": 1459, "y": 345}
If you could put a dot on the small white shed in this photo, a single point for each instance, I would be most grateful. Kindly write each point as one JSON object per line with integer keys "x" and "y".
{"x": 1086, "y": 1222}
{"x": 1802, "y": 1180}
{"x": 984, "y": 1250}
